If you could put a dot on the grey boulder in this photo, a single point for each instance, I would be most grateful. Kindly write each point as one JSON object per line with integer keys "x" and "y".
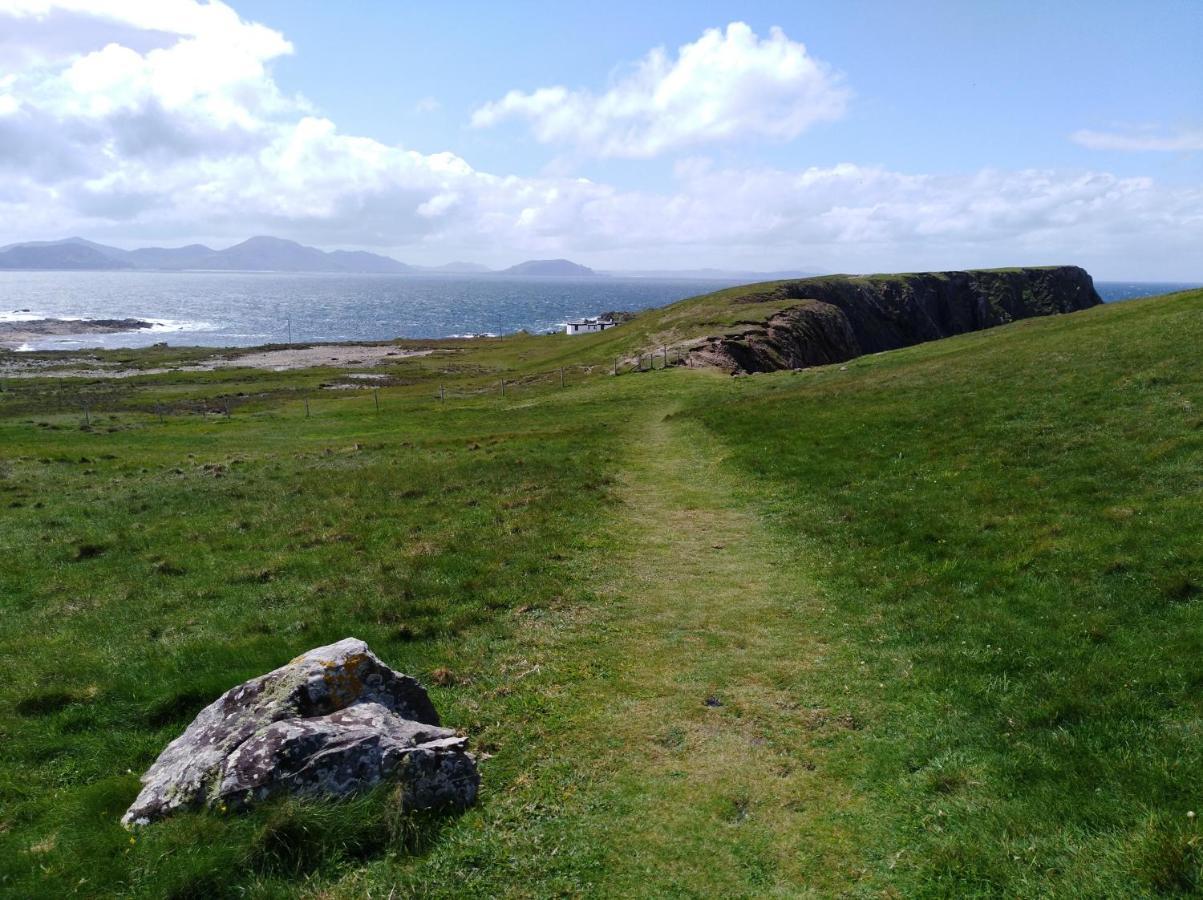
{"x": 334, "y": 721}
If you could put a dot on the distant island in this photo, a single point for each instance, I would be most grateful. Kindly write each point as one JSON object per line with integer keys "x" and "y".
{"x": 548, "y": 267}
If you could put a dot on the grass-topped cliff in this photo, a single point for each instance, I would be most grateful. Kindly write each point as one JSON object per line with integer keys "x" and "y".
{"x": 924, "y": 623}
{"x": 813, "y": 321}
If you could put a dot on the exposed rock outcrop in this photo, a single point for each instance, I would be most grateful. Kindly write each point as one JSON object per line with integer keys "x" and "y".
{"x": 17, "y": 331}
{"x": 842, "y": 317}
{"x": 334, "y": 721}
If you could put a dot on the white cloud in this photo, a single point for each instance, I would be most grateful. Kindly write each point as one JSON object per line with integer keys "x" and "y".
{"x": 1141, "y": 140}
{"x": 726, "y": 85}
{"x": 150, "y": 127}
{"x": 427, "y": 105}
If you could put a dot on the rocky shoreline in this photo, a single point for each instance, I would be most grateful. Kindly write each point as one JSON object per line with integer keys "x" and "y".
{"x": 18, "y": 332}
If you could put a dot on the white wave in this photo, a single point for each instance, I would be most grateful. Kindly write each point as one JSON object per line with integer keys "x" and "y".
{"x": 24, "y": 315}
{"x": 157, "y": 325}
{"x": 163, "y": 326}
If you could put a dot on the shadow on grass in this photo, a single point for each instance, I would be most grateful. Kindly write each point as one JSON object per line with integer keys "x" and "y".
{"x": 295, "y": 838}
{"x": 211, "y": 855}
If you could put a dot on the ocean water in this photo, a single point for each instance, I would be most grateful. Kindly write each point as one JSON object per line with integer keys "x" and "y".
{"x": 244, "y": 309}
{"x": 221, "y": 309}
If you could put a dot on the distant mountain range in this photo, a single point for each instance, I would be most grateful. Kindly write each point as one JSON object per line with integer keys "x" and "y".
{"x": 259, "y": 254}
{"x": 271, "y": 254}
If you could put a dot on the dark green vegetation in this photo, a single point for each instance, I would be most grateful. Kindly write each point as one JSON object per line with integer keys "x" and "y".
{"x": 927, "y": 623}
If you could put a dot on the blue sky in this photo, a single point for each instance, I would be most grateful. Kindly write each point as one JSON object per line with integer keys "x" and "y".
{"x": 940, "y": 86}
{"x": 850, "y": 136}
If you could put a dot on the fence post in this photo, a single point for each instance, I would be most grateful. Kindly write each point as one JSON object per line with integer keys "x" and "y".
{"x": 87, "y": 418}
{"x": 442, "y": 393}
{"x": 561, "y": 376}
{"x": 159, "y": 410}
{"x": 307, "y": 407}
{"x": 665, "y": 349}
{"x": 227, "y": 405}
{"x": 503, "y": 387}
{"x": 376, "y": 397}
{"x": 616, "y": 365}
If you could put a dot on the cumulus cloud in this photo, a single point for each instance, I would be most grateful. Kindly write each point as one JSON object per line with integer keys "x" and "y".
{"x": 728, "y": 84}
{"x": 1141, "y": 140}
{"x": 166, "y": 124}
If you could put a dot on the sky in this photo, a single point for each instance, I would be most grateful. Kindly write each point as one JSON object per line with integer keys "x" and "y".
{"x": 852, "y": 136}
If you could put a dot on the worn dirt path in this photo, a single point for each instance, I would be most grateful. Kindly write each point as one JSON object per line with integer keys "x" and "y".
{"x": 708, "y": 748}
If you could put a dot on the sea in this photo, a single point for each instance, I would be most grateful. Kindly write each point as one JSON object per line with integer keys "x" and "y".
{"x": 224, "y": 309}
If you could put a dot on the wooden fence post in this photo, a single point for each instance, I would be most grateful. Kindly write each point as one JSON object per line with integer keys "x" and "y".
{"x": 442, "y": 394}
{"x": 376, "y": 397}
{"x": 87, "y": 418}
{"x": 561, "y": 376}
{"x": 306, "y": 407}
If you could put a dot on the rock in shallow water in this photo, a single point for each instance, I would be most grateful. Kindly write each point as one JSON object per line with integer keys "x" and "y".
{"x": 334, "y": 721}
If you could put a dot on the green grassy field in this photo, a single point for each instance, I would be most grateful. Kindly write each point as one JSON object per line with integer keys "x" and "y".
{"x": 927, "y": 623}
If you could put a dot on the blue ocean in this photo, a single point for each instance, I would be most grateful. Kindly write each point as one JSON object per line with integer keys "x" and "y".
{"x": 245, "y": 309}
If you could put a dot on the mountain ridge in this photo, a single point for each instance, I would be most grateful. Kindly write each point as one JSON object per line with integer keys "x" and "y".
{"x": 264, "y": 253}
{"x": 261, "y": 253}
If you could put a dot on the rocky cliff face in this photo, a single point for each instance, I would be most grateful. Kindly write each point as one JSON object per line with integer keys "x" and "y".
{"x": 842, "y": 317}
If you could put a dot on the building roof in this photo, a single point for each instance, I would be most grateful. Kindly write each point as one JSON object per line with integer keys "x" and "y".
{"x": 591, "y": 321}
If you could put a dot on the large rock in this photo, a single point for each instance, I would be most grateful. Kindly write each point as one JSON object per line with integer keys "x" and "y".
{"x": 334, "y": 721}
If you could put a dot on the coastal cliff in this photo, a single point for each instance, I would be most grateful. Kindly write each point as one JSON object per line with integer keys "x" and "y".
{"x": 836, "y": 318}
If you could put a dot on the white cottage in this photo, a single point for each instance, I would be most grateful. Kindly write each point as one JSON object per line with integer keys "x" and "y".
{"x": 584, "y": 326}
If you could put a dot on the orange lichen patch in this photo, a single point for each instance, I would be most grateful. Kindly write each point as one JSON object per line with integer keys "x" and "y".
{"x": 345, "y": 682}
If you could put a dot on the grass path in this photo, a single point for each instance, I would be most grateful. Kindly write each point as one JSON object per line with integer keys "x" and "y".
{"x": 703, "y": 734}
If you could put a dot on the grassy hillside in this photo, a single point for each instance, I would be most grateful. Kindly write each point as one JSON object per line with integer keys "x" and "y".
{"x": 924, "y": 624}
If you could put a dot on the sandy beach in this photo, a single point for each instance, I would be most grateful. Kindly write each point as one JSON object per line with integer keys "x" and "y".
{"x": 19, "y": 365}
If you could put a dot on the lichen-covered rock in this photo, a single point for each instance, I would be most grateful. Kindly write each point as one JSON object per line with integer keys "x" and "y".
{"x": 333, "y": 721}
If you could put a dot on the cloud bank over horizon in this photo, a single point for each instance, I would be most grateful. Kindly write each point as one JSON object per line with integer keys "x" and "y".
{"x": 163, "y": 122}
